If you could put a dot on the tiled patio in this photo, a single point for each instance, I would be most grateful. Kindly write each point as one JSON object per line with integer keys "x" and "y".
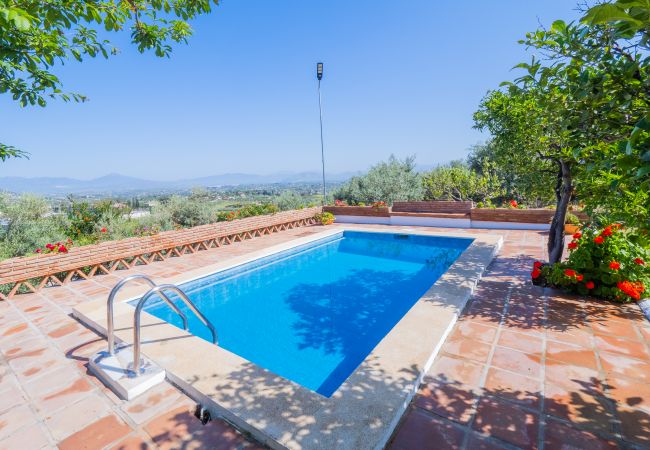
{"x": 524, "y": 368}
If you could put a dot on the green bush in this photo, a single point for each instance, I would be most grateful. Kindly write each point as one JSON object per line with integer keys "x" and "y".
{"x": 389, "y": 181}
{"x": 609, "y": 263}
{"x": 30, "y": 225}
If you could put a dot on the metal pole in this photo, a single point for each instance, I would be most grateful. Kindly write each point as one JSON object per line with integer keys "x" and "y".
{"x": 322, "y": 149}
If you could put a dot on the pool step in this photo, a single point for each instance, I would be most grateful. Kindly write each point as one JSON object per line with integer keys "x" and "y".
{"x": 116, "y": 371}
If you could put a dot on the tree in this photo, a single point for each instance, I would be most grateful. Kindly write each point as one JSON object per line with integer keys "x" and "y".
{"x": 36, "y": 35}
{"x": 572, "y": 108}
{"x": 457, "y": 181}
{"x": 389, "y": 181}
{"x": 530, "y": 181}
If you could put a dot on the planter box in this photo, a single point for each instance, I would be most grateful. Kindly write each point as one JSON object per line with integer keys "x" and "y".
{"x": 535, "y": 216}
{"x": 363, "y": 211}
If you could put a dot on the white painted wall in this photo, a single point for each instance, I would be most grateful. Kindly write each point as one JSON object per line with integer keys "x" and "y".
{"x": 363, "y": 219}
{"x": 430, "y": 221}
{"x": 442, "y": 222}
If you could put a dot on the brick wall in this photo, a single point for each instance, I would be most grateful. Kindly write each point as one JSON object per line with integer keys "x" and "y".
{"x": 366, "y": 211}
{"x": 168, "y": 243}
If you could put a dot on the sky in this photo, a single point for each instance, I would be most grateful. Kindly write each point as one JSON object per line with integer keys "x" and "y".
{"x": 401, "y": 78}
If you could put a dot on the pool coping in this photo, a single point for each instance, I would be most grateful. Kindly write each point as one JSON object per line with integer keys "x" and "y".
{"x": 364, "y": 410}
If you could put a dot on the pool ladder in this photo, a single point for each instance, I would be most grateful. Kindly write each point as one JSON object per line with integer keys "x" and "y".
{"x": 155, "y": 289}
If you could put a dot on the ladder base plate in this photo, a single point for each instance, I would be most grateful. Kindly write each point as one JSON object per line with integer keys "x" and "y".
{"x": 116, "y": 372}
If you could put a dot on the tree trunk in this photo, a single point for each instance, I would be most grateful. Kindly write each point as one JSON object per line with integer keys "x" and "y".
{"x": 563, "y": 192}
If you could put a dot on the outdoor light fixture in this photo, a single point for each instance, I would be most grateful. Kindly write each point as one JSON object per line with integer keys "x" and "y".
{"x": 319, "y": 75}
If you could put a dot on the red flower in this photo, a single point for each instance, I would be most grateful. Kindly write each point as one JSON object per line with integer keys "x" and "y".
{"x": 639, "y": 261}
{"x": 103, "y": 230}
{"x": 580, "y": 277}
{"x": 614, "y": 265}
{"x": 599, "y": 240}
{"x": 570, "y": 272}
{"x": 578, "y": 235}
{"x": 573, "y": 245}
{"x": 537, "y": 264}
{"x": 607, "y": 231}
{"x": 616, "y": 226}
{"x": 38, "y": 250}
{"x": 514, "y": 203}
{"x": 590, "y": 285}
{"x": 535, "y": 273}
{"x": 633, "y": 289}
{"x": 49, "y": 247}
{"x": 62, "y": 249}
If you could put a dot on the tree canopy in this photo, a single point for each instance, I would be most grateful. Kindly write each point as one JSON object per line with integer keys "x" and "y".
{"x": 582, "y": 107}
{"x": 35, "y": 36}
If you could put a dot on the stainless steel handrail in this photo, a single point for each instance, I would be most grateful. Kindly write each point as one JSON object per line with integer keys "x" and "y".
{"x": 110, "y": 328}
{"x": 140, "y": 306}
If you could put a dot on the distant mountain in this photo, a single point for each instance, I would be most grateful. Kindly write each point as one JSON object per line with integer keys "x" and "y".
{"x": 116, "y": 183}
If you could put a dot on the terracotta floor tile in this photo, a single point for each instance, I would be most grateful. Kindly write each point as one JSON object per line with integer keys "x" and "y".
{"x": 569, "y": 335}
{"x": 14, "y": 419}
{"x": 10, "y": 398}
{"x": 617, "y": 364}
{"x": 574, "y": 378}
{"x": 578, "y": 406}
{"x": 179, "y": 428}
{"x": 507, "y": 422}
{"x": 31, "y": 437}
{"x": 633, "y": 349}
{"x": 629, "y": 393}
{"x": 65, "y": 395}
{"x": 523, "y": 363}
{"x": 571, "y": 354}
{"x": 558, "y": 435}
{"x": 521, "y": 341}
{"x": 467, "y": 348}
{"x": 452, "y": 401}
{"x": 420, "y": 430}
{"x": 622, "y": 329}
{"x": 97, "y": 435}
{"x": 133, "y": 442}
{"x": 151, "y": 403}
{"x": 76, "y": 416}
{"x": 478, "y": 442}
{"x": 455, "y": 369}
{"x": 635, "y": 426}
{"x": 514, "y": 387}
{"x": 475, "y": 330}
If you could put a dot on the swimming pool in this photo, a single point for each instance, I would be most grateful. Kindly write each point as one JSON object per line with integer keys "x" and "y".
{"x": 313, "y": 313}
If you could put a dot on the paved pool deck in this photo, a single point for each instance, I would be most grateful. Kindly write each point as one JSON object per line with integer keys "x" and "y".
{"x": 525, "y": 367}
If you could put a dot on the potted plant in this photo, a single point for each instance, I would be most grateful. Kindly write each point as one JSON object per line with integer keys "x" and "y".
{"x": 571, "y": 224}
{"x": 325, "y": 218}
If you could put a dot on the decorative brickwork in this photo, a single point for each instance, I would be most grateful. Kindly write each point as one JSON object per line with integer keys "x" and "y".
{"x": 32, "y": 273}
{"x": 365, "y": 211}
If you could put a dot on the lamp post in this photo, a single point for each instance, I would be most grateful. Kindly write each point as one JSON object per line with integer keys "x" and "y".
{"x": 319, "y": 75}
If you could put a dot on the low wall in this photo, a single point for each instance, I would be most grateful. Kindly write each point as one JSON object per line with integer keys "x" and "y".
{"x": 32, "y": 273}
{"x": 495, "y": 218}
{"x": 365, "y": 211}
{"x": 537, "y": 216}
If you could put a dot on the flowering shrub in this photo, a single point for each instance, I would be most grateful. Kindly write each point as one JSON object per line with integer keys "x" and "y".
{"x": 146, "y": 231}
{"x": 326, "y": 218}
{"x": 340, "y": 203}
{"x": 513, "y": 204}
{"x": 59, "y": 247}
{"x": 379, "y": 204}
{"x": 604, "y": 263}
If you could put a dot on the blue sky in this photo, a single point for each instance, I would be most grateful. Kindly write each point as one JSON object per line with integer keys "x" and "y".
{"x": 400, "y": 77}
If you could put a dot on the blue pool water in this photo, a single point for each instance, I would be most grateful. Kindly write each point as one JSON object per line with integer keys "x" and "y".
{"x": 313, "y": 313}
